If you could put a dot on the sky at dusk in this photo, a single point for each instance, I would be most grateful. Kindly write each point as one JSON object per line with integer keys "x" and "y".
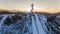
{"x": 25, "y": 4}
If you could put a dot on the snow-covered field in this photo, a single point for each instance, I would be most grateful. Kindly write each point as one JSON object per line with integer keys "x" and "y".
{"x": 29, "y": 24}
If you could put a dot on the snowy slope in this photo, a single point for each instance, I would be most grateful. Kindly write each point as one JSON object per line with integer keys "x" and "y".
{"x": 29, "y": 24}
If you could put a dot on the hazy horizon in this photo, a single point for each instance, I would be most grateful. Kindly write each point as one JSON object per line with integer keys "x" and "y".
{"x": 25, "y": 4}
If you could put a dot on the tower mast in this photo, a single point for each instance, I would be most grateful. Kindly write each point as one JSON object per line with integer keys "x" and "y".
{"x": 32, "y": 7}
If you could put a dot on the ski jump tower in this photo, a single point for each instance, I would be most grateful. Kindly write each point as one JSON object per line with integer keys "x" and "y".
{"x": 32, "y": 8}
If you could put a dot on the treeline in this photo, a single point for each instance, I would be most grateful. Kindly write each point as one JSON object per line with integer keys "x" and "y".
{"x": 11, "y": 12}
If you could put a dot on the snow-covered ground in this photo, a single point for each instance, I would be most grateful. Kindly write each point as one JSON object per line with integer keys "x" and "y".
{"x": 29, "y": 24}
{"x": 15, "y": 24}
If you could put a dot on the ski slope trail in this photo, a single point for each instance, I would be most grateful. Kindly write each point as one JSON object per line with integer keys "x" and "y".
{"x": 3, "y": 19}
{"x": 34, "y": 26}
{"x": 37, "y": 27}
